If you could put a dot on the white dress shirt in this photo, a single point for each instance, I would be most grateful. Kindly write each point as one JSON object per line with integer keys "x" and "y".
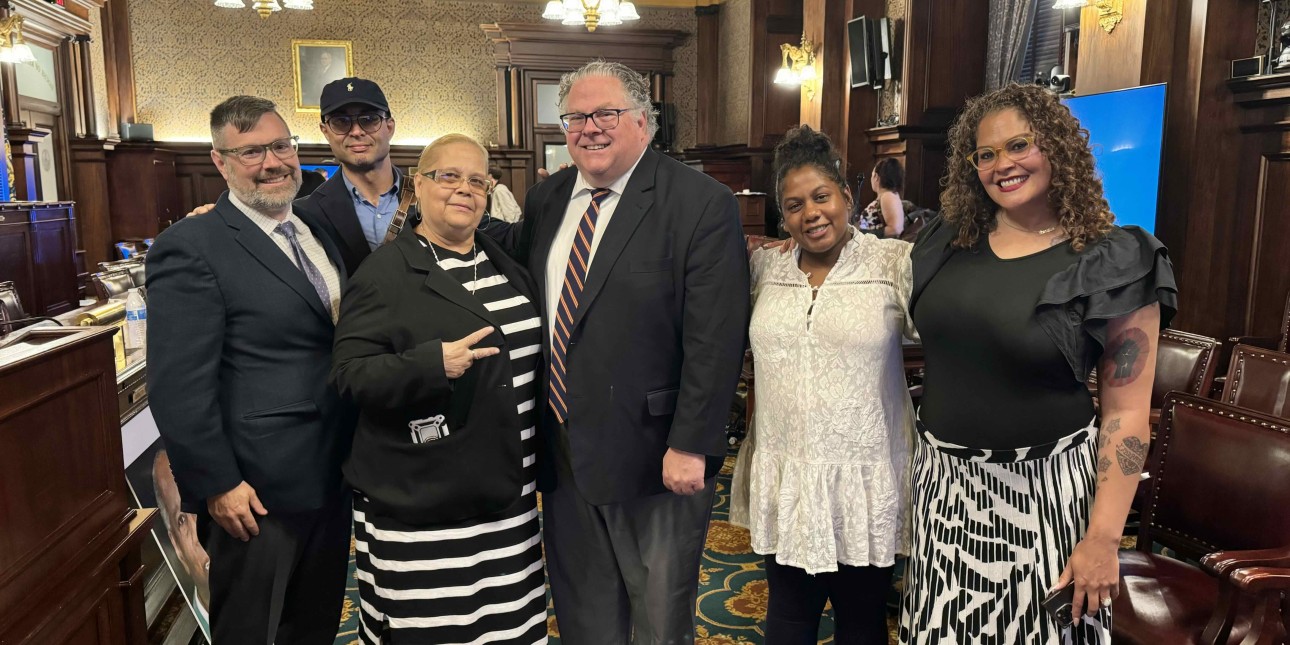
{"x": 312, "y": 247}
{"x": 558, "y": 260}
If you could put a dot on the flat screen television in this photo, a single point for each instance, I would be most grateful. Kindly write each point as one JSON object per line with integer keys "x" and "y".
{"x": 1126, "y": 129}
{"x": 327, "y": 170}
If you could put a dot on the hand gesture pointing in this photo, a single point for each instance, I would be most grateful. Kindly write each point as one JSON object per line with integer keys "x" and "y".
{"x": 458, "y": 356}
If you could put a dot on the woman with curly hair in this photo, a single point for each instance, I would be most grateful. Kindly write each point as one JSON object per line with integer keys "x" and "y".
{"x": 1021, "y": 287}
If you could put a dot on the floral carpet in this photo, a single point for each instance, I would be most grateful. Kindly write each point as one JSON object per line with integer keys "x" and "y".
{"x": 732, "y": 586}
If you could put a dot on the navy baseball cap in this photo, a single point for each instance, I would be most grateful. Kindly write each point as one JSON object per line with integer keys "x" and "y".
{"x": 348, "y": 91}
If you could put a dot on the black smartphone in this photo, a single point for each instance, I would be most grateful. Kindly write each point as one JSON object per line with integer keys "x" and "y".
{"x": 1058, "y": 603}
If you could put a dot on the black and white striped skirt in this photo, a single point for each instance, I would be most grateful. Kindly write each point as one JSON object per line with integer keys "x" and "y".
{"x": 478, "y": 582}
{"x": 992, "y": 532}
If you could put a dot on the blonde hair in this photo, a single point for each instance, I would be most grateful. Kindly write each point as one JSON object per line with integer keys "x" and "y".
{"x": 431, "y": 152}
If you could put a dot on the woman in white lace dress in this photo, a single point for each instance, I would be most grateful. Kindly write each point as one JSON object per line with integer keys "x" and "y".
{"x": 828, "y": 480}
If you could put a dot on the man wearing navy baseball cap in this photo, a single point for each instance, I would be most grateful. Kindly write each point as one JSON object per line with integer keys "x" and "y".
{"x": 355, "y": 206}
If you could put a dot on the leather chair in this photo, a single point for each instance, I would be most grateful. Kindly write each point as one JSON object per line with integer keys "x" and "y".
{"x": 10, "y": 308}
{"x": 1259, "y": 379}
{"x": 134, "y": 265}
{"x": 110, "y": 284}
{"x": 1279, "y": 343}
{"x": 1222, "y": 484}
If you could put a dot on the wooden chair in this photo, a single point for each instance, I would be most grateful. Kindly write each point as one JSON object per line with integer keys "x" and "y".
{"x": 1220, "y": 489}
{"x": 1279, "y": 343}
{"x": 1259, "y": 379}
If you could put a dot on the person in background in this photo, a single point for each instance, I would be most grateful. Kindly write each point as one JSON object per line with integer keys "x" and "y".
{"x": 1021, "y": 287}
{"x": 242, "y": 303}
{"x": 439, "y": 344}
{"x": 828, "y": 482}
{"x": 885, "y": 215}
{"x": 502, "y": 204}
{"x": 310, "y": 180}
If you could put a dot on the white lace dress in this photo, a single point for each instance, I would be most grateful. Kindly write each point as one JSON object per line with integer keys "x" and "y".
{"x": 828, "y": 479}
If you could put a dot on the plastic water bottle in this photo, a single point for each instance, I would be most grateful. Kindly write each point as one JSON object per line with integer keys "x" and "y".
{"x": 136, "y": 321}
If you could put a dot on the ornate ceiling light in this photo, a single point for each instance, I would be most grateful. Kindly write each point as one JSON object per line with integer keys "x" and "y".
{"x": 592, "y": 13}
{"x": 266, "y": 8}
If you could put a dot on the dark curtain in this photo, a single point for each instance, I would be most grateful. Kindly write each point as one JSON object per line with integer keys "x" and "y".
{"x": 1008, "y": 36}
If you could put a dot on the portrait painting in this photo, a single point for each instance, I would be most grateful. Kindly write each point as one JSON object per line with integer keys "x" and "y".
{"x": 317, "y": 63}
{"x": 152, "y": 484}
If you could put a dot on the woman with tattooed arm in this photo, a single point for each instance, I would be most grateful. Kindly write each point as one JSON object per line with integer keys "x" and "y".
{"x": 1021, "y": 287}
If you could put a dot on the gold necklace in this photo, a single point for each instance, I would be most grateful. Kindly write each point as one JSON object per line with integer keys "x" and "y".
{"x": 1042, "y": 231}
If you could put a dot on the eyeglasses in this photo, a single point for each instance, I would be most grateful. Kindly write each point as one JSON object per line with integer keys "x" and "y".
{"x": 448, "y": 179}
{"x": 606, "y": 119}
{"x": 1016, "y": 149}
{"x": 344, "y": 123}
{"x": 283, "y": 149}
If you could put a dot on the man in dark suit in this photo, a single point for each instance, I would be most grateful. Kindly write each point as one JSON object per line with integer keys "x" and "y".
{"x": 243, "y": 303}
{"x": 355, "y": 206}
{"x": 643, "y": 278}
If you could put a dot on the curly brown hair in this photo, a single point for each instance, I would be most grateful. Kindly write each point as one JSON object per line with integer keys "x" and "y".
{"x": 1075, "y": 192}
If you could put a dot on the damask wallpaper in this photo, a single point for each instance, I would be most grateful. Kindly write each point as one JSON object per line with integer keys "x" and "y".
{"x": 889, "y": 100}
{"x": 430, "y": 57}
{"x": 735, "y": 72}
{"x": 99, "y": 71}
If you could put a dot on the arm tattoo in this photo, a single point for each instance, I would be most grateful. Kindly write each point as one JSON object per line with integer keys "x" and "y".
{"x": 1132, "y": 455}
{"x": 1103, "y": 465}
{"x": 1127, "y": 356}
{"x": 1104, "y": 437}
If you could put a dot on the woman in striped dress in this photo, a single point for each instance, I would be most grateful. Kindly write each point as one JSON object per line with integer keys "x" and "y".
{"x": 1020, "y": 288}
{"x": 438, "y": 343}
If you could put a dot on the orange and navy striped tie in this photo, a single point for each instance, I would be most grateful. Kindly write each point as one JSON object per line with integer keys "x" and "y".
{"x": 574, "y": 277}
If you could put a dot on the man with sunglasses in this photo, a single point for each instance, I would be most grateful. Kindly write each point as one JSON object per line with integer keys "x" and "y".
{"x": 243, "y": 303}
{"x": 355, "y": 206}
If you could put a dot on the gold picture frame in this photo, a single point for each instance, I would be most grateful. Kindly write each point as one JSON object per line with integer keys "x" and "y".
{"x": 315, "y": 64}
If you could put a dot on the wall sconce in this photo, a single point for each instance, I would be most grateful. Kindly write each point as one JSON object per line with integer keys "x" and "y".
{"x": 12, "y": 47}
{"x": 798, "y": 67}
{"x": 1109, "y": 12}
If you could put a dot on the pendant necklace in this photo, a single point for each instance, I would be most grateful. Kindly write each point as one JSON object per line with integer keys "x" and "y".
{"x": 1042, "y": 231}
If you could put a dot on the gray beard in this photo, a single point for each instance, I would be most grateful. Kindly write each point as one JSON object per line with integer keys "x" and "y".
{"x": 265, "y": 204}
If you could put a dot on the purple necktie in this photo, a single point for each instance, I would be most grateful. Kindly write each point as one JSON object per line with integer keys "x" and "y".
{"x": 288, "y": 230}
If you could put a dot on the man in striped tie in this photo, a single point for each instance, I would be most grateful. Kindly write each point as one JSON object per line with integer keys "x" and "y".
{"x": 645, "y": 279}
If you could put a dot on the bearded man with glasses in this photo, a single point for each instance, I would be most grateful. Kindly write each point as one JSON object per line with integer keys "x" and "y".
{"x": 243, "y": 303}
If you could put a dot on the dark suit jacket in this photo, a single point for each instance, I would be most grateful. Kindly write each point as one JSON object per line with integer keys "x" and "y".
{"x": 659, "y": 333}
{"x": 399, "y": 309}
{"x": 239, "y": 347}
{"x": 330, "y": 209}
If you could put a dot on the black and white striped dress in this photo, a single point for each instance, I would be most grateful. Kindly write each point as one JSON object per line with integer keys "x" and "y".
{"x": 479, "y": 581}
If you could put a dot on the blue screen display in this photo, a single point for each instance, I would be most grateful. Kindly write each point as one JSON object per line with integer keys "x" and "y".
{"x": 1126, "y": 129}
{"x": 327, "y": 169}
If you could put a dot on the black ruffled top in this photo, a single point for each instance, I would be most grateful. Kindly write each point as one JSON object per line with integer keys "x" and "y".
{"x": 1127, "y": 270}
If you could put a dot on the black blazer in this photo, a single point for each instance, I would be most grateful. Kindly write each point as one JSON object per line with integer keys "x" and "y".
{"x": 239, "y": 348}
{"x": 399, "y": 308}
{"x": 330, "y": 209}
{"x": 659, "y": 333}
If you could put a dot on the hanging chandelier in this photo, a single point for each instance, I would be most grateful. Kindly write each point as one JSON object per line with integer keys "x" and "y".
{"x": 592, "y": 13}
{"x": 266, "y": 8}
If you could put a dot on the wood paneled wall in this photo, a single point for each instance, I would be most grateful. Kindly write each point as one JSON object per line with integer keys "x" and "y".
{"x": 1224, "y": 204}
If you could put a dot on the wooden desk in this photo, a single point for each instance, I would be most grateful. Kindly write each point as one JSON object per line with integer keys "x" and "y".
{"x": 70, "y": 567}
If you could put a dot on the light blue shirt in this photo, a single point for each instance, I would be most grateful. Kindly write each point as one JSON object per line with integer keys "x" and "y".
{"x": 375, "y": 219}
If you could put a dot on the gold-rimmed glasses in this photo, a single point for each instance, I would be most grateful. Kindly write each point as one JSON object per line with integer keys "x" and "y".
{"x": 283, "y": 149}
{"x": 449, "y": 179}
{"x": 1016, "y": 149}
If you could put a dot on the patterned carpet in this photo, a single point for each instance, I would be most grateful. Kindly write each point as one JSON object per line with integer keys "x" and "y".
{"x": 732, "y": 586}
